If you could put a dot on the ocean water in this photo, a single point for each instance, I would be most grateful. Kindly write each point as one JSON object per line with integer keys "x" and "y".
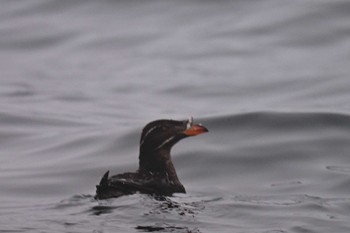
{"x": 270, "y": 79}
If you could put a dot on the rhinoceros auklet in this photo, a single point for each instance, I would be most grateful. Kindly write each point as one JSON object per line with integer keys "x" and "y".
{"x": 156, "y": 173}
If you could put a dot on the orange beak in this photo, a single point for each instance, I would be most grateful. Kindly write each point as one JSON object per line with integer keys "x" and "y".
{"x": 195, "y": 130}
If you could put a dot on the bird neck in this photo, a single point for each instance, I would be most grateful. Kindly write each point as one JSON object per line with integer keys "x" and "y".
{"x": 159, "y": 162}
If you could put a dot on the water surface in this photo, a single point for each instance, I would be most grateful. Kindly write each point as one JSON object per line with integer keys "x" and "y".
{"x": 270, "y": 79}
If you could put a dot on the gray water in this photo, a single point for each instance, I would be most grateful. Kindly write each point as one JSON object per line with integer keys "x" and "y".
{"x": 270, "y": 79}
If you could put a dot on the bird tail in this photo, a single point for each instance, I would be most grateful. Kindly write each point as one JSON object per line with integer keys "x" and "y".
{"x": 102, "y": 186}
{"x": 104, "y": 179}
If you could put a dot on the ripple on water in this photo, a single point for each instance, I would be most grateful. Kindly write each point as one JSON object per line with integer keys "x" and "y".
{"x": 339, "y": 169}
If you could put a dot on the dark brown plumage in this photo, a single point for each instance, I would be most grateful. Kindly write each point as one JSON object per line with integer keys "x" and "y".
{"x": 156, "y": 173}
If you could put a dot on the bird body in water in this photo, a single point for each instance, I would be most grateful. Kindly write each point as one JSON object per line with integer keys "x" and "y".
{"x": 156, "y": 173}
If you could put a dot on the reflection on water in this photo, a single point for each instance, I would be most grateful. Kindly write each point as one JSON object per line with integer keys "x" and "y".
{"x": 164, "y": 207}
{"x": 165, "y": 228}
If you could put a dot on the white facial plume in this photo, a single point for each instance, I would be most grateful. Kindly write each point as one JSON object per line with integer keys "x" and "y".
{"x": 189, "y": 122}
